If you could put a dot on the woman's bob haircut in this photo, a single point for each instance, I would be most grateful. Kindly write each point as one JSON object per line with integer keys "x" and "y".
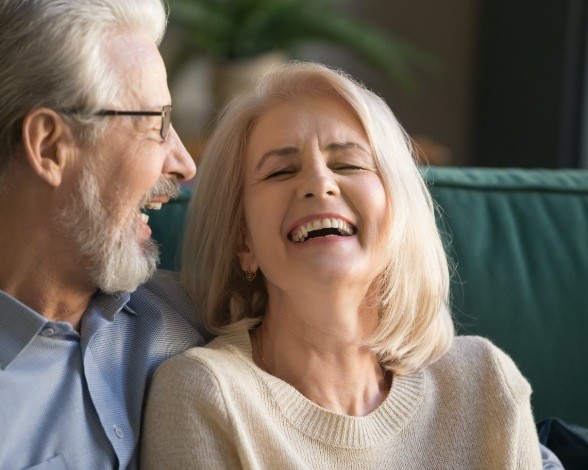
{"x": 415, "y": 327}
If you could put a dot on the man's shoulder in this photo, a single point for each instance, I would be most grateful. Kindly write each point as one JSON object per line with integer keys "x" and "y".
{"x": 163, "y": 302}
{"x": 163, "y": 292}
{"x": 166, "y": 286}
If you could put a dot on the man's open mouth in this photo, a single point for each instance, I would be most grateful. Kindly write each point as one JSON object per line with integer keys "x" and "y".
{"x": 149, "y": 206}
{"x": 165, "y": 189}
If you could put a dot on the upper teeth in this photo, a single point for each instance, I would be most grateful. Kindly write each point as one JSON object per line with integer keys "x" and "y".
{"x": 301, "y": 233}
{"x": 150, "y": 205}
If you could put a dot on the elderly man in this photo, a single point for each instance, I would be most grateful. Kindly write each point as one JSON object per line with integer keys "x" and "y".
{"x": 85, "y": 146}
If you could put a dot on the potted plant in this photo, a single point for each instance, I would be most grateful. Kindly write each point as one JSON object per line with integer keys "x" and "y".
{"x": 233, "y": 30}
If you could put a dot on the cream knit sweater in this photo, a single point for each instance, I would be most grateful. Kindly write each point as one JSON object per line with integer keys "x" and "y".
{"x": 214, "y": 408}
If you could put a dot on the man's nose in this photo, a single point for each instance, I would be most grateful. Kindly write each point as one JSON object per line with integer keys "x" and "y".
{"x": 179, "y": 163}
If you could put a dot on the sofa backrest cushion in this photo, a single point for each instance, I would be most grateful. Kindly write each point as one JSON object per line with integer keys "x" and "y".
{"x": 519, "y": 243}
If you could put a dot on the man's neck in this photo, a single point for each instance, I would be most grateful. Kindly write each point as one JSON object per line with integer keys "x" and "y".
{"x": 52, "y": 296}
{"x": 40, "y": 272}
{"x": 55, "y": 304}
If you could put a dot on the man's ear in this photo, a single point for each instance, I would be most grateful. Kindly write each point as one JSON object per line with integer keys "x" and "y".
{"x": 46, "y": 140}
{"x": 246, "y": 256}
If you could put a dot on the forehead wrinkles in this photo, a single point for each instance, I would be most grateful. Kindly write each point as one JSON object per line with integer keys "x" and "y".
{"x": 285, "y": 127}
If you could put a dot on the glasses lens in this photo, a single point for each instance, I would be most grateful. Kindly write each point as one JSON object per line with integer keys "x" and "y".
{"x": 165, "y": 121}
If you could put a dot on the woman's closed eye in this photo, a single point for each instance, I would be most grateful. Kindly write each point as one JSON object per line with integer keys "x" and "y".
{"x": 280, "y": 173}
{"x": 348, "y": 167}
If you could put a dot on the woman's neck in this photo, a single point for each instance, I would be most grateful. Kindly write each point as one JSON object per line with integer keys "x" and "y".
{"x": 319, "y": 350}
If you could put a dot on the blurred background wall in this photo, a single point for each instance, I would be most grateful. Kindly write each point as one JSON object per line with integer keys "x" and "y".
{"x": 508, "y": 88}
{"x": 439, "y": 112}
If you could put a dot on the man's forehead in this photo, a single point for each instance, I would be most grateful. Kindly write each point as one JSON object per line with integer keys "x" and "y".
{"x": 139, "y": 64}
{"x": 132, "y": 46}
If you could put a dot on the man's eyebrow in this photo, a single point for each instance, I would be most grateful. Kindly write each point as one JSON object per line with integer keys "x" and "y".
{"x": 345, "y": 146}
{"x": 280, "y": 152}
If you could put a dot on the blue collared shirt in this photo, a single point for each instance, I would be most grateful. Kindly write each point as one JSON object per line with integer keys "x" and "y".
{"x": 74, "y": 400}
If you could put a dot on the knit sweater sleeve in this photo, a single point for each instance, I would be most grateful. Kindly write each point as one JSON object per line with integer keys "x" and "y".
{"x": 186, "y": 423}
{"x": 527, "y": 450}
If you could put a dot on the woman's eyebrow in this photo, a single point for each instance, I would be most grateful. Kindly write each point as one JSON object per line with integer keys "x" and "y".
{"x": 285, "y": 151}
{"x": 280, "y": 152}
{"x": 345, "y": 146}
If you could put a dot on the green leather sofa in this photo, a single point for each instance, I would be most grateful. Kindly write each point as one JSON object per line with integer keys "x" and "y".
{"x": 518, "y": 240}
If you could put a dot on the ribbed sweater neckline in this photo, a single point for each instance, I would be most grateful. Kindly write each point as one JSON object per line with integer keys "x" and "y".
{"x": 381, "y": 425}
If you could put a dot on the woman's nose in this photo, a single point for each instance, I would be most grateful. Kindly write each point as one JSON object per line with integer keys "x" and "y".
{"x": 317, "y": 181}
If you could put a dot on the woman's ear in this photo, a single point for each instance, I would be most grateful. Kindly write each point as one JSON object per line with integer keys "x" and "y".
{"x": 246, "y": 256}
{"x": 46, "y": 140}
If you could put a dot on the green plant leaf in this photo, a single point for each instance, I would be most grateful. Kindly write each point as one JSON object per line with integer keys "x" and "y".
{"x": 230, "y": 29}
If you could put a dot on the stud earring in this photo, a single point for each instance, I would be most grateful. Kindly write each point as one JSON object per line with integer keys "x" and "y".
{"x": 250, "y": 275}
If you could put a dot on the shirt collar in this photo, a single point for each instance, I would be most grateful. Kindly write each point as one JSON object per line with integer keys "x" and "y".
{"x": 19, "y": 324}
{"x": 108, "y": 305}
{"x": 101, "y": 311}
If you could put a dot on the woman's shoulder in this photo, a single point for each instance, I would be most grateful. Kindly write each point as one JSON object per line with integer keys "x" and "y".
{"x": 479, "y": 363}
{"x": 222, "y": 360}
{"x": 201, "y": 389}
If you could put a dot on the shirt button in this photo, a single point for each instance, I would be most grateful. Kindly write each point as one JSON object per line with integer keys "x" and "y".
{"x": 119, "y": 432}
{"x": 48, "y": 332}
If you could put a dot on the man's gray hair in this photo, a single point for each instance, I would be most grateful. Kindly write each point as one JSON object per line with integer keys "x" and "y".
{"x": 52, "y": 54}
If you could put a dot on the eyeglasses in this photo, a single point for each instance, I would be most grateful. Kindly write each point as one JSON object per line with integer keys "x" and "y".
{"x": 165, "y": 114}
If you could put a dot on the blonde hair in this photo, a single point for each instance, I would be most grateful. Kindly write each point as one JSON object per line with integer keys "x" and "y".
{"x": 415, "y": 327}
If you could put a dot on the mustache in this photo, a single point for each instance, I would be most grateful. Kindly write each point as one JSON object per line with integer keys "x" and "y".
{"x": 165, "y": 186}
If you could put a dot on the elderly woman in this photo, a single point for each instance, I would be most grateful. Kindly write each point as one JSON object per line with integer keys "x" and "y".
{"x": 312, "y": 247}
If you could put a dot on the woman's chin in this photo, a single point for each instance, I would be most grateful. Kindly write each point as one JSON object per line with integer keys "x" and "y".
{"x": 336, "y": 274}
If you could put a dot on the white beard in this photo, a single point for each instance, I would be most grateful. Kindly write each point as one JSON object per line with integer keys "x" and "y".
{"x": 115, "y": 260}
